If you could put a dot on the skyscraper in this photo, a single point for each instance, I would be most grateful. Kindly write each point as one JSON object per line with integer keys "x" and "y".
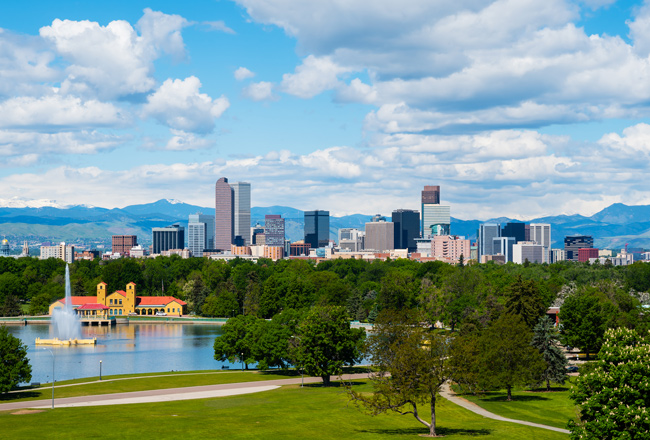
{"x": 224, "y": 216}
{"x": 122, "y": 244}
{"x": 169, "y": 237}
{"x": 540, "y": 233}
{"x": 274, "y": 230}
{"x": 317, "y": 228}
{"x": 436, "y": 218}
{"x": 407, "y": 225}
{"x": 487, "y": 232}
{"x": 515, "y": 230}
{"x": 575, "y": 242}
{"x": 242, "y": 210}
{"x": 200, "y": 233}
{"x": 380, "y": 236}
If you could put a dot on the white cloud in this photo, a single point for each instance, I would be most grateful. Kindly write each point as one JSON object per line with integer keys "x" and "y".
{"x": 183, "y": 141}
{"x": 314, "y": 76}
{"x": 58, "y": 111}
{"x": 261, "y": 91}
{"x": 113, "y": 60}
{"x": 179, "y": 105}
{"x": 219, "y": 26}
{"x": 16, "y": 143}
{"x": 243, "y": 73}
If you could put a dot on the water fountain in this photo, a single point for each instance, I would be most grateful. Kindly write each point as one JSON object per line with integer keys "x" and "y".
{"x": 67, "y": 326}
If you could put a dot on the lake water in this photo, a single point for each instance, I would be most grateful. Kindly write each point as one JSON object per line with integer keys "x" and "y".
{"x": 123, "y": 349}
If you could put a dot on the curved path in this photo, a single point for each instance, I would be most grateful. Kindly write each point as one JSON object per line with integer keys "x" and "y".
{"x": 231, "y": 389}
{"x": 446, "y": 392}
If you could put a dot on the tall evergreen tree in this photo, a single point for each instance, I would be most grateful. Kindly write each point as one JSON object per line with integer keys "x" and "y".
{"x": 546, "y": 340}
{"x": 524, "y": 299}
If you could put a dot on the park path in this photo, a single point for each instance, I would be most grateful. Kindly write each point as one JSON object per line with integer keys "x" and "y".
{"x": 446, "y": 392}
{"x": 168, "y": 394}
{"x": 231, "y": 389}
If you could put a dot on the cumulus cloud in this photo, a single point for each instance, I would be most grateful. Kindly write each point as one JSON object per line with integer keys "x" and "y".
{"x": 243, "y": 73}
{"x": 58, "y": 111}
{"x": 261, "y": 91}
{"x": 14, "y": 143}
{"x": 114, "y": 60}
{"x": 183, "y": 141}
{"x": 179, "y": 105}
{"x": 312, "y": 77}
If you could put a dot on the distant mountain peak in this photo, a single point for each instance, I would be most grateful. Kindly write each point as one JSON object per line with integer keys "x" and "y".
{"x": 20, "y": 202}
{"x": 173, "y": 201}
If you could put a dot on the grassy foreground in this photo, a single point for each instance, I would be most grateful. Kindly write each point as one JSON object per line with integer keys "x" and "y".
{"x": 549, "y": 408}
{"x": 141, "y": 382}
{"x": 312, "y": 412}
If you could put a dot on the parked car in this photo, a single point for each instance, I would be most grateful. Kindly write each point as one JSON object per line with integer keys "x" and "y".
{"x": 572, "y": 369}
{"x": 161, "y": 314}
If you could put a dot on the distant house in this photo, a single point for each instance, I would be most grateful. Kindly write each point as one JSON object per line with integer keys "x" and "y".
{"x": 121, "y": 303}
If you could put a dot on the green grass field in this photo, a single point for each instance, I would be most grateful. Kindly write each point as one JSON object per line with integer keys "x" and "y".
{"x": 290, "y": 412}
{"x": 550, "y": 408}
{"x": 152, "y": 381}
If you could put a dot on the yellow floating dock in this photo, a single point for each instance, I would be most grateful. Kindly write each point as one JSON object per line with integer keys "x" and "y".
{"x": 57, "y": 341}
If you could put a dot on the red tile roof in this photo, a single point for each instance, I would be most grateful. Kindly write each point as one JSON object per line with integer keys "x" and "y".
{"x": 121, "y": 292}
{"x": 81, "y": 300}
{"x": 90, "y": 306}
{"x": 157, "y": 300}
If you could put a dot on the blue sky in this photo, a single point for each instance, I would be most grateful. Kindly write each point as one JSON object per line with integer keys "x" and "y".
{"x": 515, "y": 108}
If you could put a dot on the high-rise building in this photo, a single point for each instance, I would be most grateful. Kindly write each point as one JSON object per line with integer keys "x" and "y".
{"x": 224, "y": 215}
{"x": 527, "y": 251}
{"x": 487, "y": 232}
{"x": 317, "y": 228}
{"x": 380, "y": 236}
{"x": 122, "y": 244}
{"x": 274, "y": 230}
{"x": 351, "y": 239}
{"x": 573, "y": 243}
{"x": 515, "y": 230}
{"x": 450, "y": 248}
{"x": 540, "y": 233}
{"x": 169, "y": 237}
{"x": 503, "y": 246}
{"x": 407, "y": 228}
{"x": 200, "y": 233}
{"x": 242, "y": 210}
{"x": 436, "y": 218}
{"x": 584, "y": 254}
{"x": 62, "y": 251}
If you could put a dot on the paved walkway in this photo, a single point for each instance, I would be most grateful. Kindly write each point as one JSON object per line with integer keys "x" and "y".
{"x": 471, "y": 406}
{"x": 169, "y": 394}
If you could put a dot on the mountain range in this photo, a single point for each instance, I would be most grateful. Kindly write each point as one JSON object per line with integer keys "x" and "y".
{"x": 91, "y": 226}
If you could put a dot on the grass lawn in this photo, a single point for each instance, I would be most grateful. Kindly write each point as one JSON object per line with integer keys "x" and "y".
{"x": 290, "y": 412}
{"x": 153, "y": 381}
{"x": 549, "y": 408}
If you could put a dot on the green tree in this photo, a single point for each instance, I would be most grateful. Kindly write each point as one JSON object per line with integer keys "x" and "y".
{"x": 524, "y": 299}
{"x": 14, "y": 365}
{"x": 413, "y": 364}
{"x": 546, "y": 340}
{"x": 614, "y": 395}
{"x": 326, "y": 342}
{"x": 508, "y": 359}
{"x": 465, "y": 358}
{"x": 273, "y": 339}
{"x": 237, "y": 343}
{"x": 585, "y": 317}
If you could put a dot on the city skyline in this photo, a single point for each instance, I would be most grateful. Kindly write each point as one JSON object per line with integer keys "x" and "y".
{"x": 544, "y": 114}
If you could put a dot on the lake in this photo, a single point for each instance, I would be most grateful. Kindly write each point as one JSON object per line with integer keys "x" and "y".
{"x": 123, "y": 349}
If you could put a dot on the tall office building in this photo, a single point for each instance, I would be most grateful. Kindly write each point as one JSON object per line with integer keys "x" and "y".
{"x": 224, "y": 200}
{"x": 242, "y": 210}
{"x": 122, "y": 244}
{"x": 380, "y": 236}
{"x": 200, "y": 233}
{"x": 527, "y": 251}
{"x": 407, "y": 226}
{"x": 540, "y": 233}
{"x": 487, "y": 232}
{"x": 62, "y": 251}
{"x": 503, "y": 246}
{"x": 169, "y": 237}
{"x": 436, "y": 218}
{"x": 575, "y": 242}
{"x": 317, "y": 228}
{"x": 450, "y": 248}
{"x": 274, "y": 230}
{"x": 351, "y": 239}
{"x": 515, "y": 230}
